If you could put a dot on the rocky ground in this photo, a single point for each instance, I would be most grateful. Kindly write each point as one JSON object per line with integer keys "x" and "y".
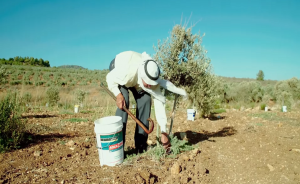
{"x": 233, "y": 147}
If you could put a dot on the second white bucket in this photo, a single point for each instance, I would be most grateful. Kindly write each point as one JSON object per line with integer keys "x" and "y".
{"x": 284, "y": 109}
{"x": 76, "y": 108}
{"x": 110, "y": 140}
{"x": 191, "y": 114}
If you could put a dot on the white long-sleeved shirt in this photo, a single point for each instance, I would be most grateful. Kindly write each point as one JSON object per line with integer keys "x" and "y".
{"x": 126, "y": 73}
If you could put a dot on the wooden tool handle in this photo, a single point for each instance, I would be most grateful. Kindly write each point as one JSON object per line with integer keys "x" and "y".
{"x": 151, "y": 122}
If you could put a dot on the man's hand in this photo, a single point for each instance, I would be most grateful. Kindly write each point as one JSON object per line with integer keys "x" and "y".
{"x": 120, "y": 101}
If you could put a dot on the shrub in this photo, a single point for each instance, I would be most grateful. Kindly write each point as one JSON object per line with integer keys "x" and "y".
{"x": 15, "y": 82}
{"x": 262, "y": 106}
{"x": 80, "y": 95}
{"x": 246, "y": 92}
{"x": 39, "y": 83}
{"x": 268, "y": 92}
{"x": 266, "y": 98}
{"x": 28, "y": 82}
{"x": 287, "y": 92}
{"x": 228, "y": 93}
{"x": 11, "y": 126}
{"x": 62, "y": 83}
{"x": 157, "y": 152}
{"x": 56, "y": 79}
{"x": 46, "y": 77}
{"x": 294, "y": 85}
{"x": 52, "y": 95}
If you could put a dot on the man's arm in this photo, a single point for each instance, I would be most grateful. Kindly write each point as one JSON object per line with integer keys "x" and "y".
{"x": 114, "y": 79}
{"x": 160, "y": 111}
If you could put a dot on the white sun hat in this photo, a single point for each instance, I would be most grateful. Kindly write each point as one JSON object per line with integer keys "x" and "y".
{"x": 150, "y": 72}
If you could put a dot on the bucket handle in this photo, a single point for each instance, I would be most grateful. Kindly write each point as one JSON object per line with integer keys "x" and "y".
{"x": 151, "y": 122}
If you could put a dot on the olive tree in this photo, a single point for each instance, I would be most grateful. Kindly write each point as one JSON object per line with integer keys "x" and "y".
{"x": 52, "y": 95}
{"x": 287, "y": 92}
{"x": 184, "y": 62}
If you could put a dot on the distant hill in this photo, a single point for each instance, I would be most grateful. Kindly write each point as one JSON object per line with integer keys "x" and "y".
{"x": 71, "y": 66}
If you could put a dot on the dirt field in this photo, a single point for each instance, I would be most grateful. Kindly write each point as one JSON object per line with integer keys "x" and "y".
{"x": 234, "y": 147}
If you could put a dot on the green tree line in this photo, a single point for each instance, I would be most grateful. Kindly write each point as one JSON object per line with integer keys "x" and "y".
{"x": 25, "y": 61}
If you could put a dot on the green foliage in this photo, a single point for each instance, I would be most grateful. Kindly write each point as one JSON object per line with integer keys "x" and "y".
{"x": 62, "y": 83}
{"x": 52, "y": 94}
{"x": 250, "y": 91}
{"x": 49, "y": 76}
{"x": 15, "y": 82}
{"x": 158, "y": 152}
{"x": 25, "y": 61}
{"x": 80, "y": 95}
{"x": 294, "y": 87}
{"x": 28, "y": 82}
{"x": 184, "y": 63}
{"x": 219, "y": 111}
{"x": 3, "y": 75}
{"x": 62, "y": 142}
{"x": 39, "y": 83}
{"x": 179, "y": 146}
{"x": 245, "y": 92}
{"x": 260, "y": 75}
{"x": 11, "y": 126}
{"x": 287, "y": 92}
{"x": 262, "y": 106}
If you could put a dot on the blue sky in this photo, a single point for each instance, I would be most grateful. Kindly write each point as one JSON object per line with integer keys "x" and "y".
{"x": 241, "y": 36}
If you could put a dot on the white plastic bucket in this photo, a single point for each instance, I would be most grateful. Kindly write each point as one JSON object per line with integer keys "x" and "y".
{"x": 284, "y": 109}
{"x": 76, "y": 108}
{"x": 191, "y": 114}
{"x": 109, "y": 140}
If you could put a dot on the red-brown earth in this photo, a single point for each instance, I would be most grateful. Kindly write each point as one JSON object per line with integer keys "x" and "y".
{"x": 248, "y": 146}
